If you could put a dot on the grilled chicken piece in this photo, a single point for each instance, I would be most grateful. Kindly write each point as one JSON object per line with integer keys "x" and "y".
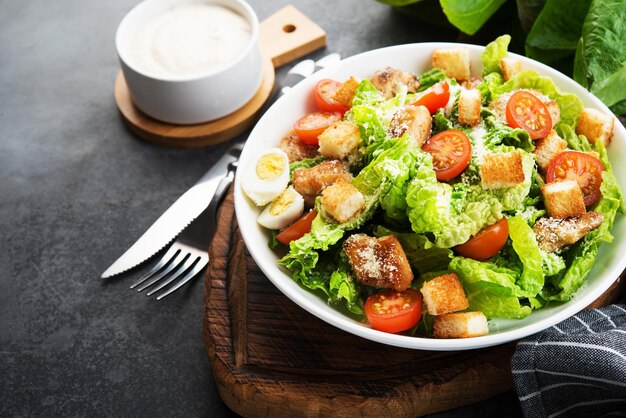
{"x": 554, "y": 234}
{"x": 379, "y": 262}
{"x": 389, "y": 79}
{"x": 311, "y": 182}
{"x": 295, "y": 149}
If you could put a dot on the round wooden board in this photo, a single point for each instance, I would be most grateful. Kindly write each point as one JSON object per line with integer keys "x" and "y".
{"x": 192, "y": 136}
{"x": 270, "y": 358}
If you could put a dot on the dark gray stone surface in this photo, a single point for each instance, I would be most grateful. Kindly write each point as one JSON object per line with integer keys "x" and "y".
{"x": 77, "y": 189}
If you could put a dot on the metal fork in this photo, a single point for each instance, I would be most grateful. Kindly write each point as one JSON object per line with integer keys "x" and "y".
{"x": 188, "y": 254}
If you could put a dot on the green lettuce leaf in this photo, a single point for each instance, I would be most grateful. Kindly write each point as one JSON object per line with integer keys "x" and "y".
{"x": 304, "y": 163}
{"x": 490, "y": 289}
{"x": 525, "y": 245}
{"x": 470, "y": 15}
{"x": 600, "y": 61}
{"x": 493, "y": 53}
{"x": 430, "y": 78}
{"x": 423, "y": 255}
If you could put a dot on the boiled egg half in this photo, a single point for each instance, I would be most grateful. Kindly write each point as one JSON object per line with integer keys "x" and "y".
{"x": 283, "y": 211}
{"x": 268, "y": 178}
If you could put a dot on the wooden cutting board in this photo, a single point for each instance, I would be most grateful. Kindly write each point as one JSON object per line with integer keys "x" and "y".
{"x": 270, "y": 358}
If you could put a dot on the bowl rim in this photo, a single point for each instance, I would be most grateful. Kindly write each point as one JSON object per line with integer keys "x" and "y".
{"x": 268, "y": 267}
{"x": 122, "y": 54}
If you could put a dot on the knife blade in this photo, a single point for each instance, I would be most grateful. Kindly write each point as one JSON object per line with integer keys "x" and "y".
{"x": 186, "y": 208}
{"x": 193, "y": 202}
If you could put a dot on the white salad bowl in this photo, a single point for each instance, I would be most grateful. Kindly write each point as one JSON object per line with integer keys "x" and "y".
{"x": 190, "y": 99}
{"x": 416, "y": 58}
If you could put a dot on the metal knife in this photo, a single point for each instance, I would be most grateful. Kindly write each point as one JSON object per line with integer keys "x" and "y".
{"x": 193, "y": 202}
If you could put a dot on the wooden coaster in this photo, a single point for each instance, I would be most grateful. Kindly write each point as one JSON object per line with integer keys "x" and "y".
{"x": 283, "y": 37}
{"x": 270, "y": 358}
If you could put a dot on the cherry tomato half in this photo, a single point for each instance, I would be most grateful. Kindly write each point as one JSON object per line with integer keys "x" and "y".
{"x": 584, "y": 168}
{"x": 297, "y": 229}
{"x": 451, "y": 151}
{"x": 393, "y": 311}
{"x": 487, "y": 242}
{"x": 309, "y": 127}
{"x": 435, "y": 97}
{"x": 524, "y": 110}
{"x": 323, "y": 95}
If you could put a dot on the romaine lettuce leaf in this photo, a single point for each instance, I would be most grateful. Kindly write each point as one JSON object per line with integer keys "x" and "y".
{"x": 489, "y": 289}
{"x": 493, "y": 53}
{"x": 422, "y": 254}
{"x": 304, "y": 163}
{"x": 430, "y": 78}
{"x": 525, "y": 245}
{"x": 470, "y": 15}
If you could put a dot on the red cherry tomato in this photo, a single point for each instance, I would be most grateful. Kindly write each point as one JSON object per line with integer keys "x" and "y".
{"x": 525, "y": 111}
{"x": 435, "y": 97}
{"x": 297, "y": 229}
{"x": 585, "y": 169}
{"x": 323, "y": 95}
{"x": 451, "y": 151}
{"x": 486, "y": 243}
{"x": 309, "y": 127}
{"x": 393, "y": 311}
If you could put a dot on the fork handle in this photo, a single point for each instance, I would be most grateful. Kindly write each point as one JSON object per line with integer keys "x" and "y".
{"x": 218, "y": 198}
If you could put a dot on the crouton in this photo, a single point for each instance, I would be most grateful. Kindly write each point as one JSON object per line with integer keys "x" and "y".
{"x": 339, "y": 140}
{"x": 553, "y": 234}
{"x": 311, "y": 182}
{"x": 460, "y": 325}
{"x": 510, "y": 67}
{"x": 555, "y": 112}
{"x": 295, "y": 149}
{"x": 469, "y": 107}
{"x": 454, "y": 62}
{"x": 595, "y": 125}
{"x": 444, "y": 294}
{"x": 563, "y": 199}
{"x": 380, "y": 263}
{"x": 547, "y": 148}
{"x": 501, "y": 170}
{"x": 342, "y": 201}
{"x": 412, "y": 120}
{"x": 345, "y": 93}
{"x": 389, "y": 79}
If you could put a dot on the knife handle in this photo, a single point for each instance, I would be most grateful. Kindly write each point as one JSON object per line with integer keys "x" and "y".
{"x": 218, "y": 197}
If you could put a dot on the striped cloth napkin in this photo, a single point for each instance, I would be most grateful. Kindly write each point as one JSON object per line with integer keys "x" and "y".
{"x": 576, "y": 368}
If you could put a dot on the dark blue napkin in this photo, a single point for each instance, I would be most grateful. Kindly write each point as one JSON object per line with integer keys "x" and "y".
{"x": 576, "y": 368}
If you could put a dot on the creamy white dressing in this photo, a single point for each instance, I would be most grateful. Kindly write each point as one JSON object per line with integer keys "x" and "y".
{"x": 189, "y": 40}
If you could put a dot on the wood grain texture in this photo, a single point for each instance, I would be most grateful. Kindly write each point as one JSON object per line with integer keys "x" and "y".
{"x": 283, "y": 37}
{"x": 270, "y": 358}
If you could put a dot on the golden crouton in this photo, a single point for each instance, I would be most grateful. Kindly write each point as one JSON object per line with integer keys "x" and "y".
{"x": 554, "y": 110}
{"x": 454, "y": 62}
{"x": 595, "y": 125}
{"x": 342, "y": 201}
{"x": 412, "y": 120}
{"x": 563, "y": 199}
{"x": 547, "y": 148}
{"x": 345, "y": 93}
{"x": 501, "y": 170}
{"x": 469, "y": 107}
{"x": 444, "y": 294}
{"x": 310, "y": 182}
{"x": 380, "y": 263}
{"x": 295, "y": 149}
{"x": 553, "y": 234}
{"x": 339, "y": 140}
{"x": 460, "y": 325}
{"x": 388, "y": 80}
{"x": 510, "y": 67}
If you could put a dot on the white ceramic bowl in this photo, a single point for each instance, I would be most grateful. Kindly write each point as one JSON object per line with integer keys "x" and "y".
{"x": 416, "y": 58}
{"x": 189, "y": 100}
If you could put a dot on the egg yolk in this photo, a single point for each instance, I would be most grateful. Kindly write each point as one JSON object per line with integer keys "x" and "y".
{"x": 270, "y": 166}
{"x": 283, "y": 201}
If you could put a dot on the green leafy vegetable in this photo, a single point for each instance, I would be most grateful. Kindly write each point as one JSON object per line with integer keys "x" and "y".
{"x": 493, "y": 53}
{"x": 525, "y": 245}
{"x": 470, "y": 15}
{"x": 430, "y": 78}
